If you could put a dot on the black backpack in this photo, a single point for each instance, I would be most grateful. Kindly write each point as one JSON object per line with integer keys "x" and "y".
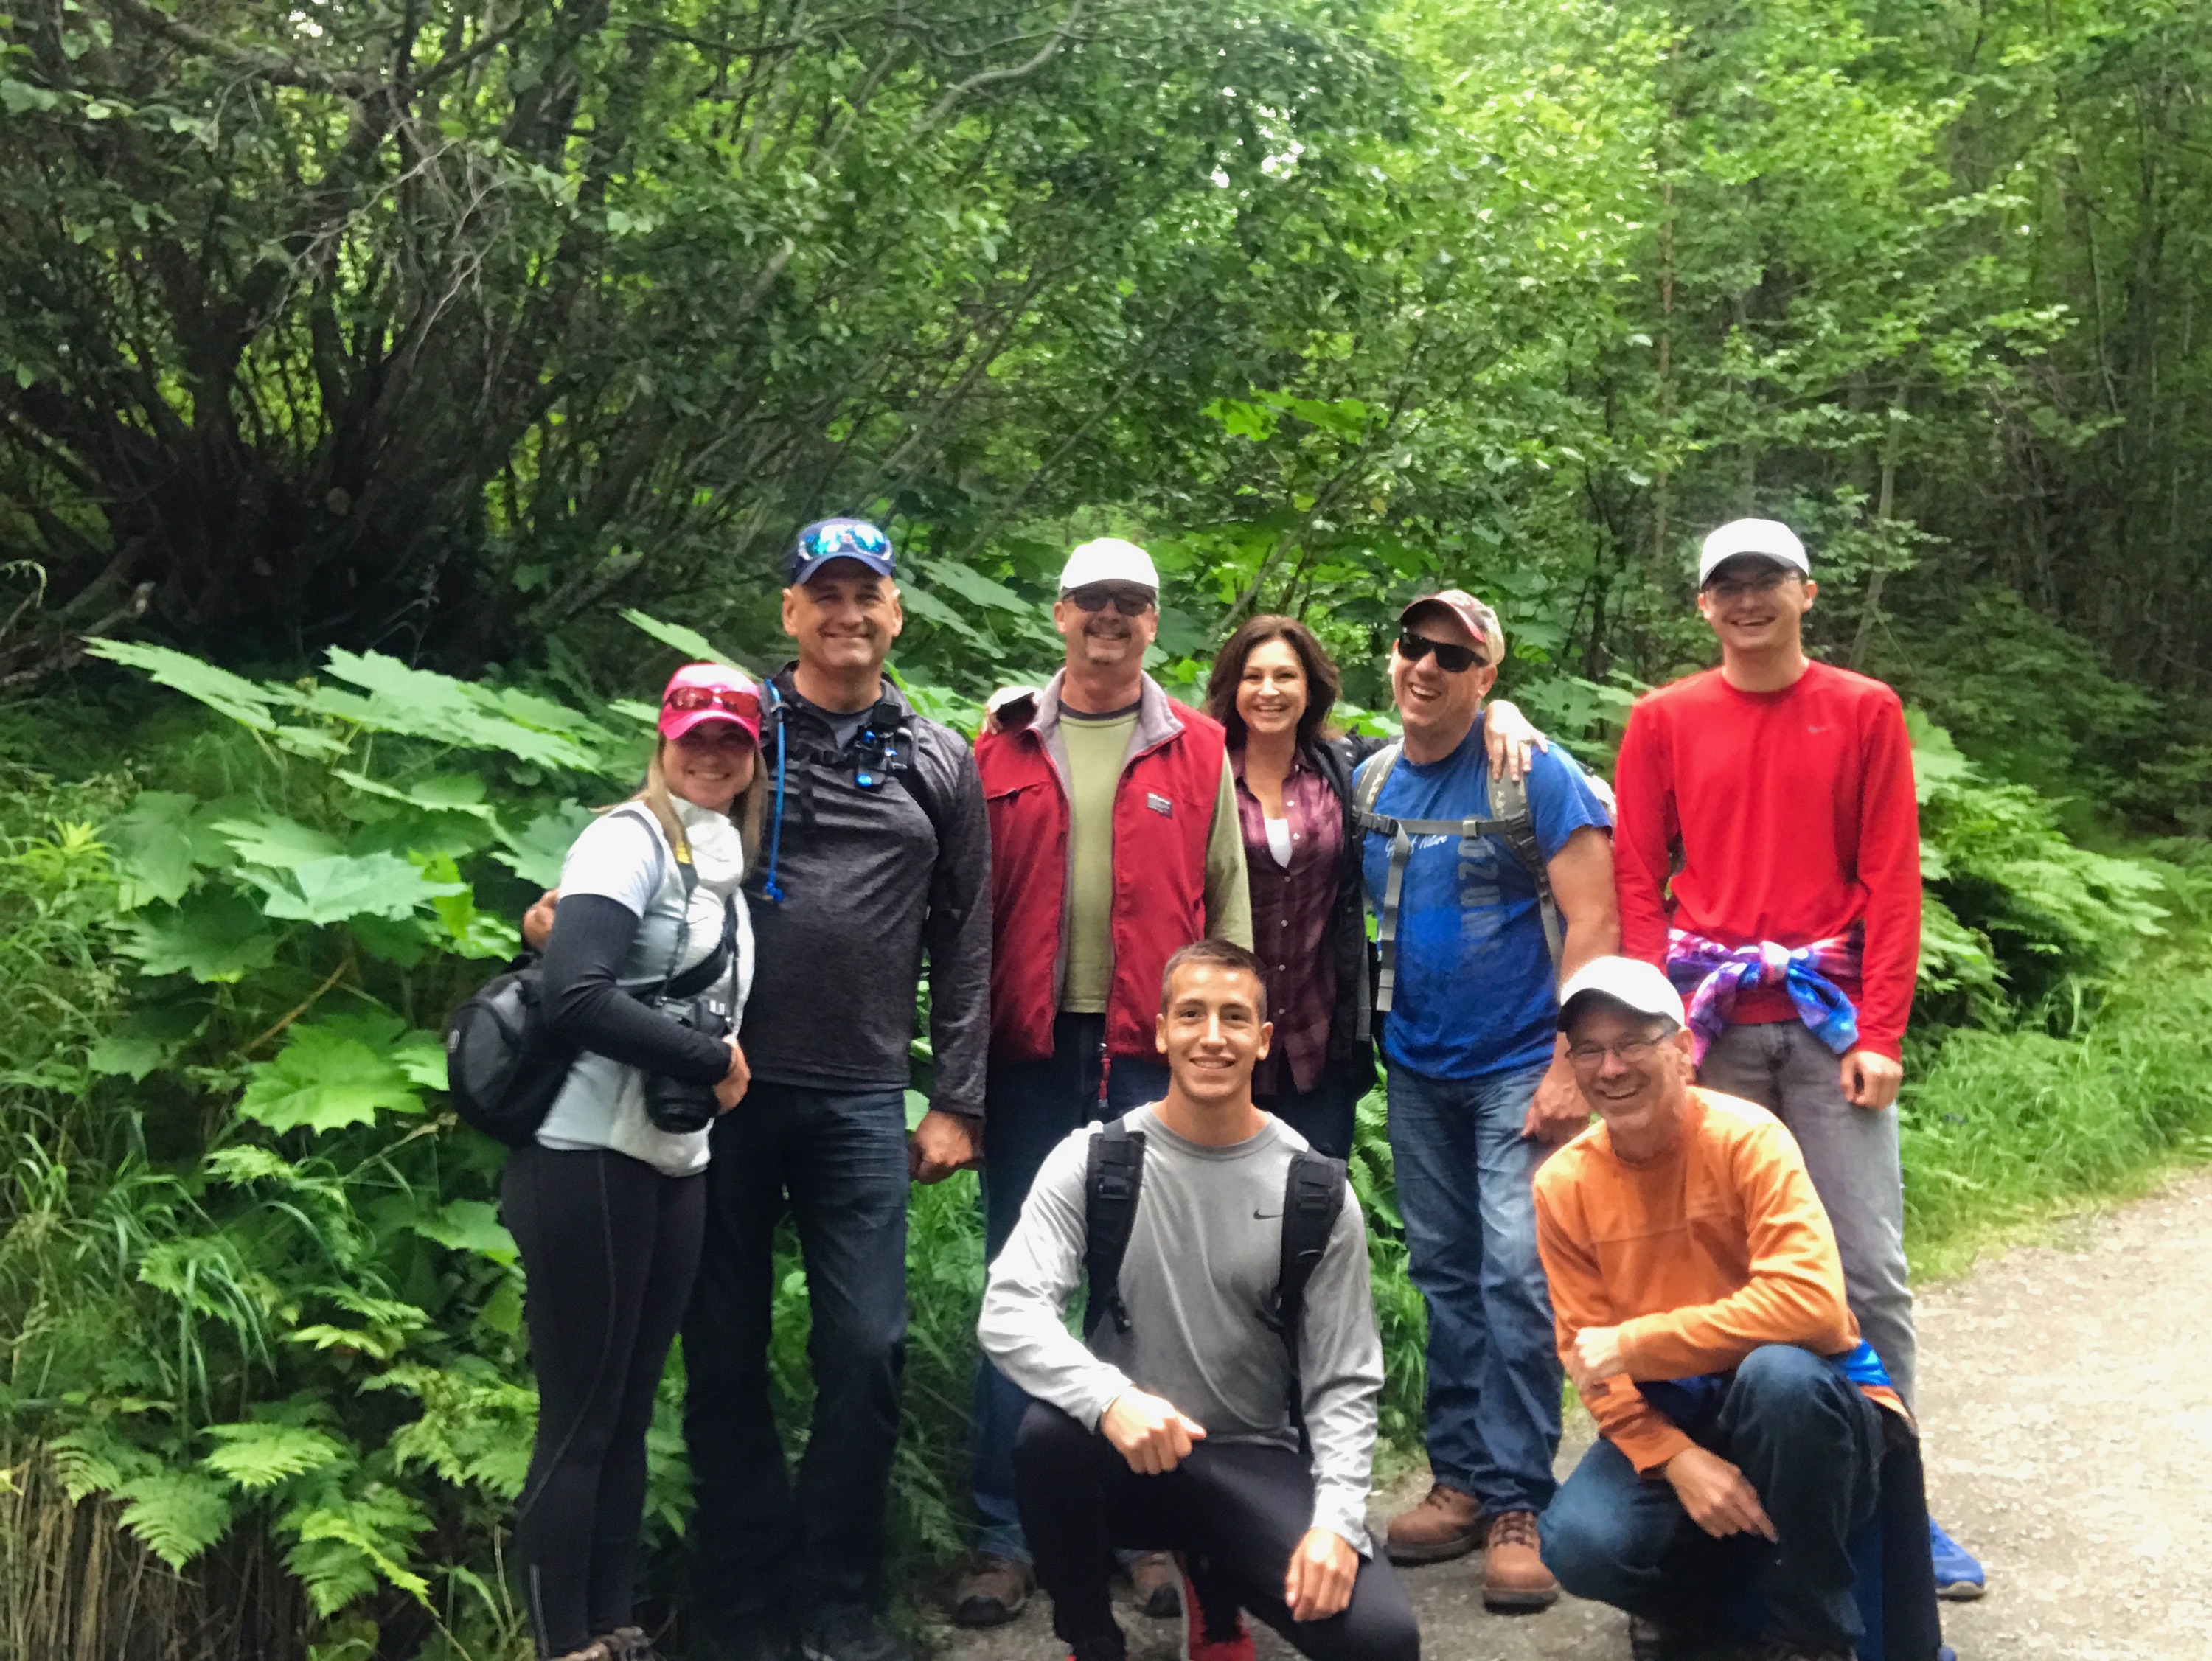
{"x": 504, "y": 1066}
{"x": 1113, "y": 1177}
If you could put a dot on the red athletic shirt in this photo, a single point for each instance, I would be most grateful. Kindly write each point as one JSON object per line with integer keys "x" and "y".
{"x": 1795, "y": 816}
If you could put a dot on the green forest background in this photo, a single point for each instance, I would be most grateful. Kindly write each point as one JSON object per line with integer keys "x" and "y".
{"x": 374, "y": 372}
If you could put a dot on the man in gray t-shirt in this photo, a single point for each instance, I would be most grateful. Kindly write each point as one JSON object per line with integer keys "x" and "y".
{"x": 1175, "y": 1432}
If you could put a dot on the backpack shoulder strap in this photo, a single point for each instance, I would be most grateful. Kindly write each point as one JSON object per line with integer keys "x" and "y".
{"x": 1369, "y": 790}
{"x": 1112, "y": 1175}
{"x": 1513, "y": 823}
{"x": 1313, "y": 1199}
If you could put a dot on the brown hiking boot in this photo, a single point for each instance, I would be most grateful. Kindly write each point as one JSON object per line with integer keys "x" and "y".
{"x": 1513, "y": 1577}
{"x": 1447, "y": 1523}
{"x": 992, "y": 1592}
{"x": 1158, "y": 1584}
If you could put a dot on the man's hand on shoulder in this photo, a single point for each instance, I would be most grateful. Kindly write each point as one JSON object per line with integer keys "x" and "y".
{"x": 1559, "y": 1112}
{"x": 1322, "y": 1569}
{"x": 1716, "y": 1495}
{"x": 1150, "y": 1431}
{"x": 941, "y": 1145}
{"x": 537, "y": 921}
{"x": 1871, "y": 1079}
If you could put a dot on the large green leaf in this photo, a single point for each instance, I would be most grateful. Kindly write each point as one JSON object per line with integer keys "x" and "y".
{"x": 333, "y": 887}
{"x": 690, "y": 642}
{"x": 271, "y": 840}
{"x": 469, "y": 1226}
{"x": 243, "y": 700}
{"x": 405, "y": 700}
{"x": 212, "y": 935}
{"x": 152, "y": 846}
{"x": 325, "y": 1081}
{"x": 537, "y": 851}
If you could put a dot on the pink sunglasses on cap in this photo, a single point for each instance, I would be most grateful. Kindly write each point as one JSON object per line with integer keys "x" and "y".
{"x": 699, "y": 692}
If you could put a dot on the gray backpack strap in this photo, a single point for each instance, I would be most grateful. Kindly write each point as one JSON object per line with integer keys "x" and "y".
{"x": 1512, "y": 824}
{"x": 1370, "y": 790}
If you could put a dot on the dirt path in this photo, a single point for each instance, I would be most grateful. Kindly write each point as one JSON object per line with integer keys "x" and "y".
{"x": 2067, "y": 1397}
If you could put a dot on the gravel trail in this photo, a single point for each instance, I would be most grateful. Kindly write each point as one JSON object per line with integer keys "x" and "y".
{"x": 2066, "y": 1400}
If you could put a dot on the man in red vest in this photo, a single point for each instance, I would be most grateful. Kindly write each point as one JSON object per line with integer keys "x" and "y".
{"x": 1115, "y": 842}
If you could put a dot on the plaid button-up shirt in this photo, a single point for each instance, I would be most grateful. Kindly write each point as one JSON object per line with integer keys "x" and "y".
{"x": 1291, "y": 912}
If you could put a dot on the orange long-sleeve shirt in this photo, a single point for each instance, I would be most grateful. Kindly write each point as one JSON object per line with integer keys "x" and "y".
{"x": 1699, "y": 1257}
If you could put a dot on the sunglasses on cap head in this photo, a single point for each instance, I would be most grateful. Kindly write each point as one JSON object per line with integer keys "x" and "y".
{"x": 1452, "y": 659}
{"x": 740, "y": 701}
{"x": 1130, "y": 602}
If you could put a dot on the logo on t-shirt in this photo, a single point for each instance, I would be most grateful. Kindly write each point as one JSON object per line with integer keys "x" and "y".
{"x": 1159, "y": 803}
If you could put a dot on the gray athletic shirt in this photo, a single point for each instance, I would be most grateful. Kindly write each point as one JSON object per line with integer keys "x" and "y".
{"x": 1205, "y": 1253}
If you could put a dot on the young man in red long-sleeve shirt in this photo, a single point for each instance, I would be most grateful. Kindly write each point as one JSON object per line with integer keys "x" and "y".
{"x": 1792, "y": 922}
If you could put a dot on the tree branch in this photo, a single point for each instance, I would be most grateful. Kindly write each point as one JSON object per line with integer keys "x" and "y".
{"x": 262, "y": 65}
{"x": 944, "y": 106}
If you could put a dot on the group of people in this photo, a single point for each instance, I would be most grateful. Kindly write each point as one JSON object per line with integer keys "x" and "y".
{"x": 1154, "y": 1001}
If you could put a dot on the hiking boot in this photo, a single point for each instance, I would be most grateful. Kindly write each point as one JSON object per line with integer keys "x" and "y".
{"x": 851, "y": 1631}
{"x": 630, "y": 1644}
{"x": 1203, "y": 1637}
{"x": 992, "y": 1592}
{"x": 1514, "y": 1577}
{"x": 1447, "y": 1523}
{"x": 1158, "y": 1586}
{"x": 1958, "y": 1575}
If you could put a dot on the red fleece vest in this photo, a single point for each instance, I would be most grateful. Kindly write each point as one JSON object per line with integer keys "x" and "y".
{"x": 1162, "y": 818}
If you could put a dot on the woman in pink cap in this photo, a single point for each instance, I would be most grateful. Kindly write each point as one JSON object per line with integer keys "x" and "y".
{"x": 646, "y": 973}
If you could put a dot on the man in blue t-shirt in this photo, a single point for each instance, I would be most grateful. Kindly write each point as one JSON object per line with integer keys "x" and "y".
{"x": 1479, "y": 1092}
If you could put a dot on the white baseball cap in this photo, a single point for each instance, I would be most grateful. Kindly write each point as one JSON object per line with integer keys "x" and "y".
{"x": 1642, "y": 986}
{"x": 1770, "y": 539}
{"x": 1108, "y": 559}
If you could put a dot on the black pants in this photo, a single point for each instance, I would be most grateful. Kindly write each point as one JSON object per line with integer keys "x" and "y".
{"x": 766, "y": 1548}
{"x": 1236, "y": 1510}
{"x": 609, "y": 1247}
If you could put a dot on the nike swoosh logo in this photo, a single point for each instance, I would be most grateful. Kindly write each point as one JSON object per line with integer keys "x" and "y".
{"x": 1265, "y": 1216}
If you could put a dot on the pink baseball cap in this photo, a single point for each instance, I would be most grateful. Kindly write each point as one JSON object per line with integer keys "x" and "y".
{"x": 699, "y": 692}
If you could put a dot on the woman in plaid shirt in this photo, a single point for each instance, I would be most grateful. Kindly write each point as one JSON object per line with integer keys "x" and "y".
{"x": 1272, "y": 687}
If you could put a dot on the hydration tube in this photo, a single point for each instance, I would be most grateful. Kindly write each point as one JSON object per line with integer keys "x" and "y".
{"x": 771, "y": 889}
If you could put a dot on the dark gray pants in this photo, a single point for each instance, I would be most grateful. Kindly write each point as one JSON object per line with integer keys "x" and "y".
{"x": 1852, "y": 1156}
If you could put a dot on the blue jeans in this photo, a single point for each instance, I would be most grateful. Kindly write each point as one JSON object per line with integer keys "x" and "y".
{"x": 765, "y": 1547}
{"x": 1030, "y": 1108}
{"x": 1811, "y": 1444}
{"x": 1465, "y": 1175}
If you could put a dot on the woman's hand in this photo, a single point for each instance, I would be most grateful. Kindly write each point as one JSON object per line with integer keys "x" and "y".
{"x": 1510, "y": 741}
{"x": 735, "y": 1082}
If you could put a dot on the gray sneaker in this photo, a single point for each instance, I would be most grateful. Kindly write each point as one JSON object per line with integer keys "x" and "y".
{"x": 851, "y": 1631}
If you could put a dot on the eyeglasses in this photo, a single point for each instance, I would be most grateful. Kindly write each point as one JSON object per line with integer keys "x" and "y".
{"x": 1452, "y": 659}
{"x": 1130, "y": 602}
{"x": 740, "y": 701}
{"x": 1634, "y": 1053}
{"x": 1737, "y": 588}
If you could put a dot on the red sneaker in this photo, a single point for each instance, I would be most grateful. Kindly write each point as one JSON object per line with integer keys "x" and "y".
{"x": 1197, "y": 1645}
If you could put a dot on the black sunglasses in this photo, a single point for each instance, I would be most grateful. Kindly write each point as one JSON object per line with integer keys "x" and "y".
{"x": 1098, "y": 599}
{"x": 1452, "y": 659}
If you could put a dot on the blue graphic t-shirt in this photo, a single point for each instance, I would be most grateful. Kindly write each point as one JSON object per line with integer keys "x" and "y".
{"x": 1475, "y": 992}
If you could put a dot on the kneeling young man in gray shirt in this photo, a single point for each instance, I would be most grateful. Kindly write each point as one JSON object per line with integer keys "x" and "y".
{"x": 1172, "y": 1427}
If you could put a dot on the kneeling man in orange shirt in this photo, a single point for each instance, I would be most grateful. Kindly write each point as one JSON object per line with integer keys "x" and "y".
{"x": 1700, "y": 1311}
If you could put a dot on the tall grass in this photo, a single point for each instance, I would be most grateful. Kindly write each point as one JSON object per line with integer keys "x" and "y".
{"x": 2008, "y": 1127}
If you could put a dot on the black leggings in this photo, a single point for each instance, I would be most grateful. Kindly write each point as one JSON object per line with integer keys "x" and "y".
{"x": 1236, "y": 1510}
{"x": 609, "y": 1248}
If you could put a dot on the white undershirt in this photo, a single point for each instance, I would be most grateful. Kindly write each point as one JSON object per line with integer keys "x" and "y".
{"x": 1278, "y": 840}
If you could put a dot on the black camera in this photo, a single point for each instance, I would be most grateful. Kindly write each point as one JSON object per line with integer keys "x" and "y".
{"x": 677, "y": 1104}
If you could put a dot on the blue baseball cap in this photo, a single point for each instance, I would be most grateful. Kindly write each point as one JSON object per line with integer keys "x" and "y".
{"x": 840, "y": 539}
